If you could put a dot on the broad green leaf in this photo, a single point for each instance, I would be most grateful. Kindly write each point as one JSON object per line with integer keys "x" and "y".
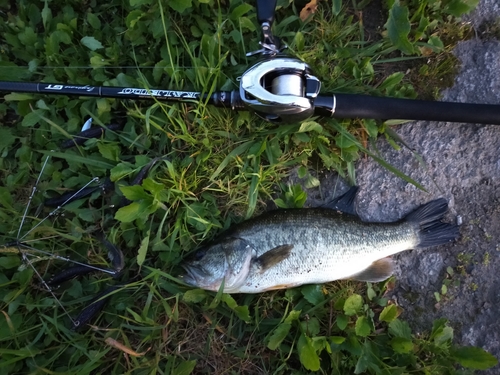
{"x": 436, "y": 42}
{"x": 6, "y": 198}
{"x": 93, "y": 21}
{"x": 401, "y": 345}
{"x": 185, "y": 367}
{"x": 398, "y": 27}
{"x": 153, "y": 186}
{"x": 31, "y": 119}
{"x": 370, "y": 293}
{"x": 8, "y": 262}
{"x": 474, "y": 358}
{"x": 240, "y": 10}
{"x": 353, "y": 304}
{"x": 109, "y": 151}
{"x": 179, "y": 5}
{"x": 336, "y": 7}
{"x": 313, "y": 293}
{"x": 445, "y": 337}
{"x": 307, "y": 354}
{"x": 342, "y": 321}
{"x": 299, "y": 44}
{"x": 310, "y": 326}
{"x": 337, "y": 340}
{"x": 91, "y": 43}
{"x": 311, "y": 182}
{"x": 345, "y": 142}
{"x": 458, "y": 8}
{"x": 194, "y": 295}
{"x": 135, "y": 193}
{"x": 17, "y": 96}
{"x": 98, "y": 61}
{"x": 120, "y": 170}
{"x": 389, "y": 313}
{"x": 28, "y": 37}
{"x": 135, "y": 3}
{"x": 134, "y": 211}
{"x": 310, "y": 126}
{"x": 241, "y": 312}
{"x": 143, "y": 249}
{"x": 6, "y": 139}
{"x": 371, "y": 127}
{"x": 46, "y": 14}
{"x": 278, "y": 335}
{"x": 293, "y": 315}
{"x": 362, "y": 327}
{"x": 400, "y": 328}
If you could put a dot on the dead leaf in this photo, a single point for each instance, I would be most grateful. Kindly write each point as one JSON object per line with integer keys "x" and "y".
{"x": 308, "y": 10}
{"x": 118, "y": 345}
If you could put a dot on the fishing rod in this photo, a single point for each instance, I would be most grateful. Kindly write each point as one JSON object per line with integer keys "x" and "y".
{"x": 280, "y": 89}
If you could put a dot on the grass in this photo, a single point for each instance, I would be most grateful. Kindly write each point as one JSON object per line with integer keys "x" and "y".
{"x": 220, "y": 167}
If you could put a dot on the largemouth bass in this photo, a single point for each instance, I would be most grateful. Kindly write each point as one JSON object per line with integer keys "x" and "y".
{"x": 290, "y": 247}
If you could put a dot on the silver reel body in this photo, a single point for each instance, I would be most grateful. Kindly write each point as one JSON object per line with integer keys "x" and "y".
{"x": 280, "y": 89}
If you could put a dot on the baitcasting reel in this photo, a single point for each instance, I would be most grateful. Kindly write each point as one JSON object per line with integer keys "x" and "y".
{"x": 280, "y": 89}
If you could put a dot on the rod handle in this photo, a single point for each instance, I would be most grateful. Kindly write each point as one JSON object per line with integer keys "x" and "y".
{"x": 383, "y": 108}
{"x": 265, "y": 11}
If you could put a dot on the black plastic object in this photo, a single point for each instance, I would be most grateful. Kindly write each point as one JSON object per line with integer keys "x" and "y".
{"x": 265, "y": 11}
{"x": 93, "y": 132}
{"x": 382, "y": 108}
{"x": 93, "y": 308}
{"x": 74, "y": 195}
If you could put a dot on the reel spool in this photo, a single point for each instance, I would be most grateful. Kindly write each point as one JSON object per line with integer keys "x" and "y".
{"x": 280, "y": 89}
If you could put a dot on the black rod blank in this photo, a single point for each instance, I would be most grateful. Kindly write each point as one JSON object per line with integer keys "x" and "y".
{"x": 99, "y": 91}
{"x": 334, "y": 105}
{"x": 383, "y": 108}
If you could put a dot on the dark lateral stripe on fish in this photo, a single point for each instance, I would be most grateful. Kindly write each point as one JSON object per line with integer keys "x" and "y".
{"x": 94, "y": 132}
{"x": 433, "y": 232}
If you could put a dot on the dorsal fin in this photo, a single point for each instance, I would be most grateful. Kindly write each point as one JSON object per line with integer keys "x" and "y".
{"x": 345, "y": 203}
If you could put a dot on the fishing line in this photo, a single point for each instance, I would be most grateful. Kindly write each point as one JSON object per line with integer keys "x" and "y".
{"x": 22, "y": 247}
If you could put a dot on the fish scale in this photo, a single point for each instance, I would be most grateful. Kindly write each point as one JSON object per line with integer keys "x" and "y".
{"x": 286, "y": 248}
{"x": 328, "y": 245}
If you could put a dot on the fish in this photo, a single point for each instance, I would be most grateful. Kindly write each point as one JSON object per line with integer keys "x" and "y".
{"x": 287, "y": 248}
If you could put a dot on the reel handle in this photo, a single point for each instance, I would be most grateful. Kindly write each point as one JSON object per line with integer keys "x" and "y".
{"x": 265, "y": 11}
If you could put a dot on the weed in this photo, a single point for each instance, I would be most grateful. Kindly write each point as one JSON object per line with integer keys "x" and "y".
{"x": 217, "y": 167}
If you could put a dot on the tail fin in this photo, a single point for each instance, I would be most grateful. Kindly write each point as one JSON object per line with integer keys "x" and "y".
{"x": 433, "y": 232}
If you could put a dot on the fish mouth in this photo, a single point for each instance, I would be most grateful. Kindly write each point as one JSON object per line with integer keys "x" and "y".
{"x": 197, "y": 277}
{"x": 191, "y": 275}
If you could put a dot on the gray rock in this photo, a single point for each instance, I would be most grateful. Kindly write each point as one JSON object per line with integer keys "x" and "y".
{"x": 462, "y": 164}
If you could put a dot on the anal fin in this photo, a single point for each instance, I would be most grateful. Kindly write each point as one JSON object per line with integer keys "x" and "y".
{"x": 273, "y": 257}
{"x": 379, "y": 270}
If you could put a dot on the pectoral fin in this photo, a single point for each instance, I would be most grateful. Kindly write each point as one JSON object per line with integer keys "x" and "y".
{"x": 273, "y": 257}
{"x": 379, "y": 270}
